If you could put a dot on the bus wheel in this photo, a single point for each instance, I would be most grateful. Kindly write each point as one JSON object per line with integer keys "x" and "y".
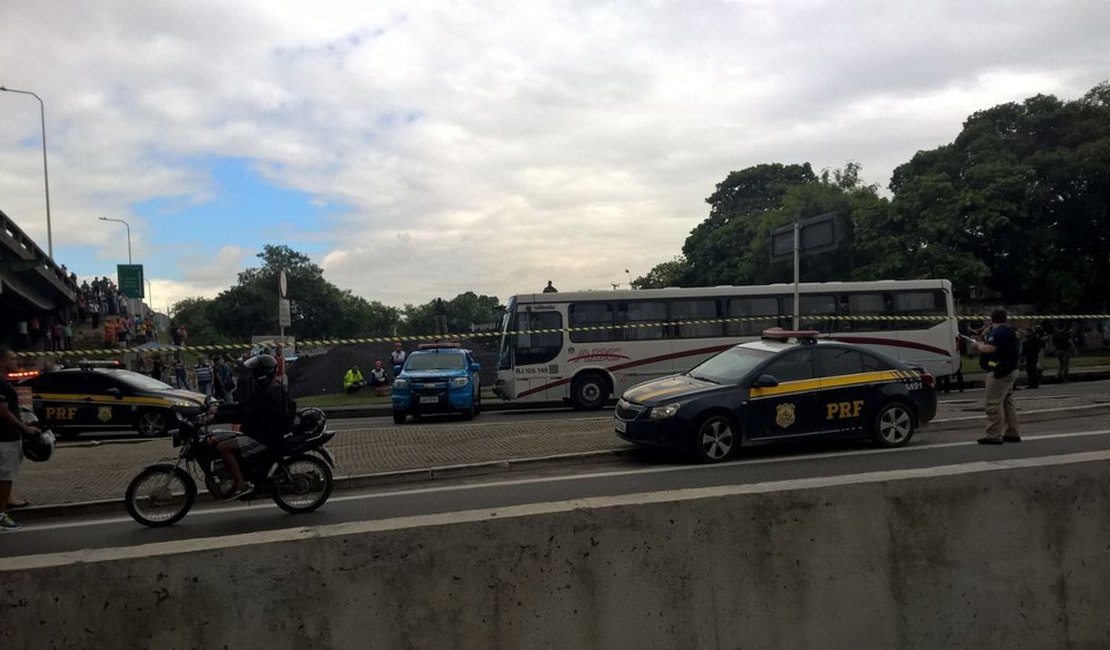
{"x": 589, "y": 391}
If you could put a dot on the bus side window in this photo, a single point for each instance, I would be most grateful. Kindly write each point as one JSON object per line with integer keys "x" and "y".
{"x": 753, "y": 315}
{"x": 652, "y": 315}
{"x": 685, "y": 311}
{"x": 812, "y": 308}
{"x": 929, "y": 305}
{"x": 596, "y": 318}
{"x": 866, "y": 312}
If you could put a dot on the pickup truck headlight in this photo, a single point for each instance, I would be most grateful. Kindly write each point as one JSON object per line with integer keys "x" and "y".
{"x": 459, "y": 382}
{"x": 667, "y": 411}
{"x": 400, "y": 383}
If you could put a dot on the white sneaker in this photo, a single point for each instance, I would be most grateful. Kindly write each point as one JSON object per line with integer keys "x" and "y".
{"x": 9, "y": 524}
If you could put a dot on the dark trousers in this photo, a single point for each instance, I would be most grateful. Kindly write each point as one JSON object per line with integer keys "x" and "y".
{"x": 1032, "y": 372}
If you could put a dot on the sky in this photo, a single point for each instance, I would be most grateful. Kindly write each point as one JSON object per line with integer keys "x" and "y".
{"x": 421, "y": 149}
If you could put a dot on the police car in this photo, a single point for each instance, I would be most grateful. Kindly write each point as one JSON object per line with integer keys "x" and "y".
{"x": 73, "y": 400}
{"x": 437, "y": 378}
{"x": 787, "y": 386}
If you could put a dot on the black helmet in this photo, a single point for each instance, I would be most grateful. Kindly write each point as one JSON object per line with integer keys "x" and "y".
{"x": 39, "y": 447}
{"x": 310, "y": 421}
{"x": 262, "y": 367}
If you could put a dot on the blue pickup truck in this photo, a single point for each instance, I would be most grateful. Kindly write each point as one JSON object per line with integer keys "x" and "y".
{"x": 437, "y": 378}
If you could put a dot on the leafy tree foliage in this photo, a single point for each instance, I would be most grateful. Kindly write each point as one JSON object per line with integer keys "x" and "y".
{"x": 319, "y": 309}
{"x": 463, "y": 310}
{"x": 1015, "y": 207}
{"x": 1025, "y": 188}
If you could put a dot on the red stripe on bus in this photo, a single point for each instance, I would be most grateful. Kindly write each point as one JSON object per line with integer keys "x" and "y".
{"x": 870, "y": 340}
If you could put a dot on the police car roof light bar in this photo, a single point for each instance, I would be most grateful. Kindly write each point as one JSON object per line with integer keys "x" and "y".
{"x": 436, "y": 346}
{"x": 780, "y": 334}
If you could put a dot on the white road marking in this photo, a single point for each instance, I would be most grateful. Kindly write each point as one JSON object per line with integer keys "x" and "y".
{"x": 219, "y": 510}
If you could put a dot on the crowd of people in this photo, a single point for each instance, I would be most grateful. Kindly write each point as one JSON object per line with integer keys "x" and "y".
{"x": 379, "y": 378}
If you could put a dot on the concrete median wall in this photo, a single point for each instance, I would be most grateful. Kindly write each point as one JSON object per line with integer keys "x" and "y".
{"x": 1013, "y": 555}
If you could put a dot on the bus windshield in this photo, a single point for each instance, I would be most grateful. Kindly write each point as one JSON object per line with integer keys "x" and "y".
{"x": 505, "y": 356}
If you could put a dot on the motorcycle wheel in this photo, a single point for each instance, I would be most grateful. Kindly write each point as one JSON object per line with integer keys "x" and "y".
{"x": 160, "y": 496}
{"x": 301, "y": 484}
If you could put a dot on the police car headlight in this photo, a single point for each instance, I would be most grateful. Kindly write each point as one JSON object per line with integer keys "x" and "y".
{"x": 459, "y": 382}
{"x": 400, "y": 383}
{"x": 184, "y": 404}
{"x": 668, "y": 411}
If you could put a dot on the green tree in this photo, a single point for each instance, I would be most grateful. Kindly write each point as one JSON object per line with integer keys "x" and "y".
{"x": 1020, "y": 197}
{"x": 664, "y": 274}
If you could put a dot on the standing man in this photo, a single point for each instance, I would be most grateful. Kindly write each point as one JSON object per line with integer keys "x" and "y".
{"x": 1065, "y": 348}
{"x": 1032, "y": 348}
{"x": 999, "y": 356}
{"x": 203, "y": 371}
{"x": 12, "y": 430}
{"x": 550, "y": 288}
{"x": 440, "y": 310}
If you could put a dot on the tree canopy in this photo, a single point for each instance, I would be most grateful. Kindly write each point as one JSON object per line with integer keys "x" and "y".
{"x": 1015, "y": 207}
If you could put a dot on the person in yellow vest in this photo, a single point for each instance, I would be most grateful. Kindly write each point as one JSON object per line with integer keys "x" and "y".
{"x": 353, "y": 381}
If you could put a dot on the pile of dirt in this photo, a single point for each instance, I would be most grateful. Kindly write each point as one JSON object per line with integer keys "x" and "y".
{"x": 320, "y": 372}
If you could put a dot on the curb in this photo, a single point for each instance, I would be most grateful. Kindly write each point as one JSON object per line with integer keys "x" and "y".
{"x": 406, "y": 476}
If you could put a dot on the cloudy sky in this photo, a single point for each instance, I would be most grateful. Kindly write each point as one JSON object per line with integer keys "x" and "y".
{"x": 420, "y": 149}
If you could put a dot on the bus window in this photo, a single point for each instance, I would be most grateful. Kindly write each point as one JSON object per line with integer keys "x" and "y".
{"x": 919, "y": 303}
{"x": 539, "y": 347}
{"x": 591, "y": 314}
{"x": 643, "y": 311}
{"x": 869, "y": 305}
{"x": 812, "y": 308}
{"x": 693, "y": 310}
{"x": 747, "y": 308}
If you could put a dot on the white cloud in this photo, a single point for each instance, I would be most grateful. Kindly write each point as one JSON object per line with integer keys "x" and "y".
{"x": 493, "y": 146}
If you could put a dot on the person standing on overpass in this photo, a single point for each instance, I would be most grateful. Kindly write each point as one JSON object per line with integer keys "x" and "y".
{"x": 999, "y": 356}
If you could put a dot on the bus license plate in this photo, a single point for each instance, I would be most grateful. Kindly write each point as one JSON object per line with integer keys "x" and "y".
{"x": 431, "y": 399}
{"x": 619, "y": 424}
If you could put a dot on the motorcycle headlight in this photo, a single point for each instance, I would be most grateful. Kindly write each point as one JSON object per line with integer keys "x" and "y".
{"x": 400, "y": 383}
{"x": 667, "y": 411}
{"x": 459, "y": 382}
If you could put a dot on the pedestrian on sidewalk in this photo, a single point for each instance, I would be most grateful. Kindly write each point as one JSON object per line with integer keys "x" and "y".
{"x": 1032, "y": 349}
{"x": 1065, "y": 349}
{"x": 998, "y": 355}
{"x": 12, "y": 430}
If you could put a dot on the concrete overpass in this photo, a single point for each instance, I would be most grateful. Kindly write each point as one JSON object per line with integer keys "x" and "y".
{"x": 31, "y": 283}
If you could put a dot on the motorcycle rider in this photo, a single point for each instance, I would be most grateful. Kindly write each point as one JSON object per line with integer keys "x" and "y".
{"x": 266, "y": 417}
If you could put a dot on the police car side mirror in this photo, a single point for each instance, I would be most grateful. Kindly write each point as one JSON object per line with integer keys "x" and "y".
{"x": 765, "y": 381}
{"x": 396, "y": 370}
{"x": 475, "y": 367}
{"x": 114, "y": 392}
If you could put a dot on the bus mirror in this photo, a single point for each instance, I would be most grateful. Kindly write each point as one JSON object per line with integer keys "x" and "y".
{"x": 765, "y": 381}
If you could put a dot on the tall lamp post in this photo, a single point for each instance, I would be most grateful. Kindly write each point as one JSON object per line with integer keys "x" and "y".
{"x": 125, "y": 225}
{"x": 45, "y": 175}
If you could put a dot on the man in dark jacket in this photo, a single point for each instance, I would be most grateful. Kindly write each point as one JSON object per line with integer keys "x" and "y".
{"x": 266, "y": 417}
{"x": 999, "y": 356}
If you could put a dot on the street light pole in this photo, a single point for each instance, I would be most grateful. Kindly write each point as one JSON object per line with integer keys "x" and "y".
{"x": 125, "y": 225}
{"x": 45, "y": 175}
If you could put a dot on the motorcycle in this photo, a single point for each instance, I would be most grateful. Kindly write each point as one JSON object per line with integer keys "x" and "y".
{"x": 296, "y": 474}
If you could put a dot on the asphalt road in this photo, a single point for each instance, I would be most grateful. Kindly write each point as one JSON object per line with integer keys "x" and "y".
{"x": 640, "y": 472}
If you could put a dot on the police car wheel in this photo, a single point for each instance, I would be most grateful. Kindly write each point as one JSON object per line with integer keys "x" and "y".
{"x": 893, "y": 425}
{"x": 151, "y": 424}
{"x": 715, "y": 439}
{"x": 398, "y": 418}
{"x": 469, "y": 413}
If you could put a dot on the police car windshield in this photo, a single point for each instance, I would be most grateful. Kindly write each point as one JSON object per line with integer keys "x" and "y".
{"x": 136, "y": 380}
{"x": 730, "y": 366}
{"x": 436, "y": 362}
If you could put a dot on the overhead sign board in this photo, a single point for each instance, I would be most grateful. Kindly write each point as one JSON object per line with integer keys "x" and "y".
{"x": 130, "y": 280}
{"x": 285, "y": 317}
{"x": 817, "y": 235}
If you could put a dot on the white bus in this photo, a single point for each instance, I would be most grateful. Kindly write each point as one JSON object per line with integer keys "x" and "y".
{"x": 606, "y": 341}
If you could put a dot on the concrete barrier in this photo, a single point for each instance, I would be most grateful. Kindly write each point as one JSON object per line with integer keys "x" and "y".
{"x": 1011, "y": 554}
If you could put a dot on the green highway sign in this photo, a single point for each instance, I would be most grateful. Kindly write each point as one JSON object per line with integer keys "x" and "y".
{"x": 130, "y": 280}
